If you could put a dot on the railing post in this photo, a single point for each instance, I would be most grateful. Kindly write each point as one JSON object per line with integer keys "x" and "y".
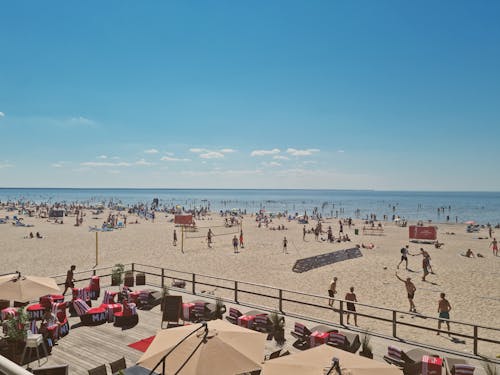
{"x": 341, "y": 312}
{"x": 163, "y": 278}
{"x": 193, "y": 284}
{"x": 93, "y": 272}
{"x": 394, "y": 323}
{"x": 235, "y": 291}
{"x": 281, "y": 300}
{"x": 475, "y": 340}
{"x": 133, "y": 267}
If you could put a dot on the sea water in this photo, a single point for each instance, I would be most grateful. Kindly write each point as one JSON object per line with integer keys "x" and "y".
{"x": 482, "y": 207}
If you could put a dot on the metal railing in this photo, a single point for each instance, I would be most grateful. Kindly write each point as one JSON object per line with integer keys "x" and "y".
{"x": 239, "y": 292}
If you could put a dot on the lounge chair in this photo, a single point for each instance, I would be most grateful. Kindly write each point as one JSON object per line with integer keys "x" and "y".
{"x": 172, "y": 310}
{"x": 410, "y": 362}
{"x": 263, "y": 324}
{"x": 273, "y": 355}
{"x": 118, "y": 365}
{"x": 204, "y": 311}
{"x": 458, "y": 366}
{"x": 90, "y": 316}
{"x": 302, "y": 334}
{"x": 99, "y": 370}
{"x": 233, "y": 316}
{"x": 128, "y": 316}
{"x": 344, "y": 340}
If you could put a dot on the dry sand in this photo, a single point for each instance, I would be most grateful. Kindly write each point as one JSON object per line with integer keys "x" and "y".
{"x": 471, "y": 285}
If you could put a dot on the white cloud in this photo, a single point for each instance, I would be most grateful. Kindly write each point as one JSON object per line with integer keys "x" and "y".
{"x": 140, "y": 162}
{"x": 227, "y": 150}
{"x": 102, "y": 157}
{"x": 272, "y": 164}
{"x": 274, "y": 151}
{"x": 5, "y": 164}
{"x": 229, "y": 172}
{"x": 340, "y": 151}
{"x": 115, "y": 158}
{"x": 81, "y": 121}
{"x": 151, "y": 151}
{"x": 170, "y": 158}
{"x": 307, "y": 152}
{"x": 198, "y": 150}
{"x": 143, "y": 162}
{"x": 59, "y": 164}
{"x": 169, "y": 153}
{"x": 2, "y": 114}
{"x": 281, "y": 157}
{"x": 212, "y": 155}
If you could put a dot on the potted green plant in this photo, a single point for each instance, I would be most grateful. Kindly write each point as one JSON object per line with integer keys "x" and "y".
{"x": 16, "y": 334}
{"x": 366, "y": 347}
{"x": 116, "y": 274}
{"x": 278, "y": 328}
{"x": 220, "y": 308}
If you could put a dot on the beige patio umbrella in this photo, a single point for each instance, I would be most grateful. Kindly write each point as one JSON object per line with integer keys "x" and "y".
{"x": 17, "y": 287}
{"x": 227, "y": 350}
{"x": 318, "y": 360}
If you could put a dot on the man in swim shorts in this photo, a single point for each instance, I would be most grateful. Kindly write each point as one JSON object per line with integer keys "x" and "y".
{"x": 444, "y": 308}
{"x": 410, "y": 289}
{"x": 494, "y": 247}
{"x": 404, "y": 256}
{"x": 351, "y": 307}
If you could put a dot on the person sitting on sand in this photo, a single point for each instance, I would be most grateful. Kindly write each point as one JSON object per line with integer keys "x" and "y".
{"x": 31, "y": 235}
{"x": 38, "y": 235}
{"x": 469, "y": 254}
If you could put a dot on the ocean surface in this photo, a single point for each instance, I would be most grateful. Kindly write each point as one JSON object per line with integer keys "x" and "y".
{"x": 482, "y": 207}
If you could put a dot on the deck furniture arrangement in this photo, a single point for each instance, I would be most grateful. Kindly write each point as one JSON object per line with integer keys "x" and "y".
{"x": 409, "y": 361}
{"x": 458, "y": 366}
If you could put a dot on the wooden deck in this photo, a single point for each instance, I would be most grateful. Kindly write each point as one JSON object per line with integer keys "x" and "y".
{"x": 87, "y": 347}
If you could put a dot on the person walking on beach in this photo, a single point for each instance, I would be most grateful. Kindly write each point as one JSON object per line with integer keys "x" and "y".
{"x": 209, "y": 238}
{"x": 410, "y": 289}
{"x": 444, "y": 308}
{"x": 285, "y": 243}
{"x": 241, "y": 239}
{"x": 494, "y": 247}
{"x": 332, "y": 290}
{"x": 175, "y": 238}
{"x": 351, "y": 307}
{"x": 235, "y": 244}
{"x": 304, "y": 233}
{"x": 405, "y": 251}
{"x": 70, "y": 282}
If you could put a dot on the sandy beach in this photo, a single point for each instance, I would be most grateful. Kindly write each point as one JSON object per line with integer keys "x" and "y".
{"x": 471, "y": 285}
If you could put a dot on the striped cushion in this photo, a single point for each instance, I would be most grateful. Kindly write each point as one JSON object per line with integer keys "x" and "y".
{"x": 394, "y": 352}
{"x": 199, "y": 308}
{"x": 144, "y": 295}
{"x": 33, "y": 328}
{"x": 46, "y": 301}
{"x": 81, "y": 293}
{"x": 261, "y": 319}
{"x": 301, "y": 329}
{"x": 80, "y": 306}
{"x": 336, "y": 339}
{"x": 235, "y": 313}
{"x": 463, "y": 369}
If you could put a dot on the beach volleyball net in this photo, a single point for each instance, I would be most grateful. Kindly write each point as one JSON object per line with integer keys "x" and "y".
{"x": 217, "y": 231}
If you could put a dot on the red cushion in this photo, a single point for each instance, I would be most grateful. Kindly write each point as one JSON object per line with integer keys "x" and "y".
{"x": 96, "y": 310}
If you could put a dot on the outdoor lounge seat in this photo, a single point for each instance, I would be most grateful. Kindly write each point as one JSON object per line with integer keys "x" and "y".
{"x": 90, "y": 316}
{"x": 204, "y": 311}
{"x": 52, "y": 370}
{"x": 458, "y": 366}
{"x": 344, "y": 340}
{"x": 99, "y": 370}
{"x": 410, "y": 361}
{"x": 302, "y": 334}
{"x": 118, "y": 365}
{"x": 128, "y": 316}
{"x": 233, "y": 316}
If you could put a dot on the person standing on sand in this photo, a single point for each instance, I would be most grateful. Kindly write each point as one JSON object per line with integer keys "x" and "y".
{"x": 405, "y": 251}
{"x": 494, "y": 247}
{"x": 410, "y": 289}
{"x": 285, "y": 243}
{"x": 351, "y": 307}
{"x": 444, "y": 308}
{"x": 241, "y": 239}
{"x": 235, "y": 244}
{"x": 209, "y": 238}
{"x": 304, "y": 233}
{"x": 175, "y": 238}
{"x": 332, "y": 290}
{"x": 70, "y": 282}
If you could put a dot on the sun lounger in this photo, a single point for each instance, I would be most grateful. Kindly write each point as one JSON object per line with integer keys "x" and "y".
{"x": 344, "y": 340}
{"x": 302, "y": 334}
{"x": 410, "y": 361}
{"x": 233, "y": 316}
{"x": 128, "y": 316}
{"x": 458, "y": 366}
{"x": 90, "y": 316}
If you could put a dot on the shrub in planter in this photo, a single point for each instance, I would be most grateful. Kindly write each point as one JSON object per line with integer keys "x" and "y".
{"x": 278, "y": 327}
{"x": 116, "y": 274}
{"x": 366, "y": 347}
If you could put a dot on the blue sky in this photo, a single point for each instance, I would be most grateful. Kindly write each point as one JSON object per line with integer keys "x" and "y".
{"x": 262, "y": 94}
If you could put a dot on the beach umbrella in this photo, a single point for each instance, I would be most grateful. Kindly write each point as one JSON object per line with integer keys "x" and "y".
{"x": 16, "y": 287}
{"x": 319, "y": 360}
{"x": 218, "y": 348}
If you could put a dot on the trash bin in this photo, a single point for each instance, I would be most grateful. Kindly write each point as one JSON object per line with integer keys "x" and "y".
{"x": 356, "y": 231}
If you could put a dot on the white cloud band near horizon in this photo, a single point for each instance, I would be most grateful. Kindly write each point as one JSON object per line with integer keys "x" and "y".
{"x": 274, "y": 151}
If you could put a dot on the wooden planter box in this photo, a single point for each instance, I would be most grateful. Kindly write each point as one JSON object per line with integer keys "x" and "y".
{"x": 140, "y": 279}
{"x": 129, "y": 279}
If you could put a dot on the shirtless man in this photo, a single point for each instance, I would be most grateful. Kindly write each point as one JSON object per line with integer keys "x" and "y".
{"x": 304, "y": 233}
{"x": 444, "y": 308}
{"x": 332, "y": 291}
{"x": 351, "y": 307}
{"x": 209, "y": 238}
{"x": 410, "y": 288}
{"x": 70, "y": 282}
{"x": 494, "y": 247}
{"x": 405, "y": 251}
{"x": 285, "y": 243}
